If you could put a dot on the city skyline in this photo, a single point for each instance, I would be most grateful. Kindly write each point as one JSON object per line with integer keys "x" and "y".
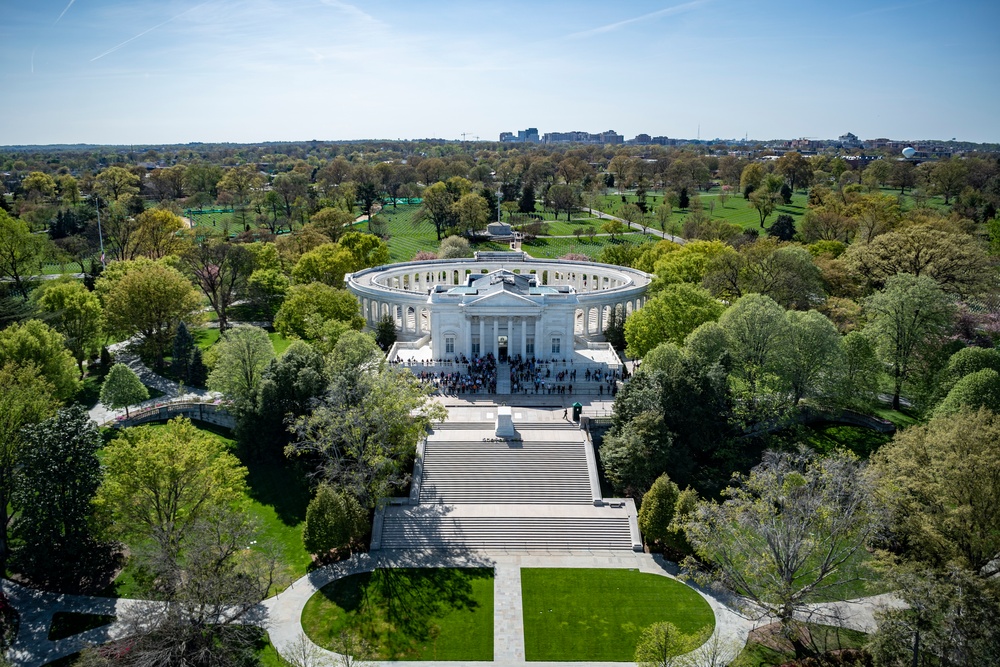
{"x": 245, "y": 71}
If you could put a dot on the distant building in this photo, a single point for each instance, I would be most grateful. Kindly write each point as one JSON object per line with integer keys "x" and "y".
{"x": 577, "y": 137}
{"x": 849, "y": 140}
{"x": 528, "y": 136}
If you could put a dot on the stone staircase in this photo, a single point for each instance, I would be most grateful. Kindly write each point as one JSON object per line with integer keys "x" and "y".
{"x": 501, "y": 472}
{"x": 503, "y": 378}
{"x": 538, "y": 492}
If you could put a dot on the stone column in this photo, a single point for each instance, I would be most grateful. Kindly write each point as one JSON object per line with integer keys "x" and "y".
{"x": 510, "y": 336}
{"x": 496, "y": 332}
{"x": 538, "y": 337}
{"x": 468, "y": 337}
{"x": 524, "y": 337}
{"x": 482, "y": 336}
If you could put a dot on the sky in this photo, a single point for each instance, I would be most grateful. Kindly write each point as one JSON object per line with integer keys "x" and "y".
{"x": 179, "y": 71}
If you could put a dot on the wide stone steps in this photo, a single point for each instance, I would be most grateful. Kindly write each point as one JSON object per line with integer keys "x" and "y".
{"x": 507, "y": 533}
{"x": 498, "y": 472}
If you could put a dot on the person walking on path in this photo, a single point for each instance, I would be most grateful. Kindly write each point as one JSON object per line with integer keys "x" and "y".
{"x": 565, "y": 413}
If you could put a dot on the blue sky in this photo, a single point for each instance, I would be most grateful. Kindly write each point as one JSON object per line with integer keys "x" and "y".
{"x": 172, "y": 71}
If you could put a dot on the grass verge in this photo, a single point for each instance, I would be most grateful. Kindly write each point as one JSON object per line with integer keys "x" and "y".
{"x": 408, "y": 614}
{"x": 598, "y": 614}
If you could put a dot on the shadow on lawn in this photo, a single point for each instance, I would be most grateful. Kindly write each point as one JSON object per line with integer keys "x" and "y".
{"x": 406, "y": 602}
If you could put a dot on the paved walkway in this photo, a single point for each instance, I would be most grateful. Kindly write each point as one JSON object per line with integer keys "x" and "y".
{"x": 656, "y": 232}
{"x": 283, "y": 612}
{"x": 172, "y": 391}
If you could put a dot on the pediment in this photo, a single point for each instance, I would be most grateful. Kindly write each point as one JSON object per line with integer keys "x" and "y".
{"x": 502, "y": 299}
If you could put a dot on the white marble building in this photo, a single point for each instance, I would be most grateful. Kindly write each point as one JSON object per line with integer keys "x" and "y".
{"x": 504, "y": 303}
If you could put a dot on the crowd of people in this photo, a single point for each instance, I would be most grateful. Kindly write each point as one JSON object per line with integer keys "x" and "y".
{"x": 480, "y": 376}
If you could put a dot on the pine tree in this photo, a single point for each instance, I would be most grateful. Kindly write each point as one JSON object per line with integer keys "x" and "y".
{"x": 527, "y": 202}
{"x": 197, "y": 372}
{"x": 183, "y": 348}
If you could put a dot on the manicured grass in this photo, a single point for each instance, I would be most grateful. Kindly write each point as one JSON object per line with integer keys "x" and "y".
{"x": 66, "y": 624}
{"x": 862, "y": 441}
{"x": 279, "y": 342}
{"x": 598, "y": 614}
{"x": 408, "y": 614}
{"x": 405, "y": 238}
{"x": 206, "y": 338}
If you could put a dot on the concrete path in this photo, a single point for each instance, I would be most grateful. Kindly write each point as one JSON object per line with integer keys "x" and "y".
{"x": 282, "y": 613}
{"x": 656, "y": 232}
{"x": 171, "y": 390}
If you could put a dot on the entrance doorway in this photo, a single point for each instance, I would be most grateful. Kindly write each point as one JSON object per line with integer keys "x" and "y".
{"x": 502, "y": 348}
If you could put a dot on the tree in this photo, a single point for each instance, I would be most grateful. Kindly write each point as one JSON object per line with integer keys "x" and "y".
{"x": 764, "y": 201}
{"x": 782, "y": 536}
{"x": 116, "y": 183}
{"x": 943, "y": 483}
{"x": 689, "y": 263}
{"x": 662, "y": 645}
{"x": 783, "y": 228}
{"x": 858, "y": 376}
{"x": 221, "y": 270}
{"x": 148, "y": 299}
{"x": 364, "y": 430}
{"x": 328, "y": 264}
{"x": 908, "y": 317}
{"x": 472, "y": 212}
{"x": 240, "y": 183}
{"x": 657, "y": 510}
{"x": 158, "y": 233}
{"x": 670, "y": 315}
{"x": 290, "y": 187}
{"x": 751, "y": 178}
{"x": 614, "y": 328}
{"x": 949, "y": 618}
{"x": 21, "y": 251}
{"x": 334, "y": 519}
{"x": 757, "y": 331}
{"x": 811, "y": 356}
{"x": 980, "y": 389}
{"x": 26, "y": 397}
{"x": 33, "y": 342}
{"x": 167, "y": 183}
{"x": 563, "y": 198}
{"x": 796, "y": 169}
{"x": 366, "y": 250}
{"x": 438, "y": 207}
{"x": 613, "y": 228}
{"x": 58, "y": 476}
{"x": 122, "y": 388}
{"x": 308, "y": 307}
{"x": 183, "y": 350}
{"x": 332, "y": 222}
{"x": 38, "y": 186}
{"x": 76, "y": 314}
{"x": 454, "y": 247}
{"x": 186, "y": 472}
{"x": 385, "y": 332}
{"x": 954, "y": 261}
{"x": 874, "y": 214}
{"x": 786, "y": 273}
{"x": 241, "y": 356}
{"x": 902, "y": 175}
{"x": 949, "y": 177}
{"x": 526, "y": 204}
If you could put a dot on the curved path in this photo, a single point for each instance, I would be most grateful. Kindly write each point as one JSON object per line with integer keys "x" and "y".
{"x": 281, "y": 614}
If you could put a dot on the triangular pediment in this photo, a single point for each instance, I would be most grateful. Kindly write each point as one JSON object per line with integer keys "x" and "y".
{"x": 502, "y": 299}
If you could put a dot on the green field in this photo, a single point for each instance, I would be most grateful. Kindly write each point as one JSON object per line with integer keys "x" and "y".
{"x": 598, "y": 614}
{"x": 408, "y": 614}
{"x": 406, "y": 239}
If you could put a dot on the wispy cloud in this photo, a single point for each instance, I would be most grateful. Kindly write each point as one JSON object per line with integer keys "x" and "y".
{"x": 666, "y": 11}
{"x": 64, "y": 11}
{"x": 147, "y": 31}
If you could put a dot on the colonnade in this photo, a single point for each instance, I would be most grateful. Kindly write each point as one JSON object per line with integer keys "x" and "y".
{"x": 408, "y": 317}
{"x": 593, "y": 319}
{"x": 519, "y": 330}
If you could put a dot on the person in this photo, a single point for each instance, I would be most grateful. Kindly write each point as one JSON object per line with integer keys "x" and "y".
{"x": 565, "y": 413}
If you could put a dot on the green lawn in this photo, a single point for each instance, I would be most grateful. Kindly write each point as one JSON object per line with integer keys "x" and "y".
{"x": 900, "y": 419}
{"x": 405, "y": 238}
{"x": 598, "y": 614}
{"x": 408, "y": 614}
{"x": 206, "y": 338}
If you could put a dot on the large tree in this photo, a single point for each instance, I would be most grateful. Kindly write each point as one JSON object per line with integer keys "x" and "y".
{"x": 308, "y": 307}
{"x": 669, "y": 316}
{"x": 240, "y": 183}
{"x": 147, "y": 299}
{"x": 221, "y": 270}
{"x": 788, "y": 534}
{"x": 76, "y": 314}
{"x": 25, "y": 398}
{"x": 33, "y": 342}
{"x": 58, "y": 475}
{"x": 943, "y": 479}
{"x": 21, "y": 252}
{"x": 365, "y": 429}
{"x": 328, "y": 264}
{"x": 910, "y": 316}
{"x": 242, "y": 354}
{"x": 115, "y": 183}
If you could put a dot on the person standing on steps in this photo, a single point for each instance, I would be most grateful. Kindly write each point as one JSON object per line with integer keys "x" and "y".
{"x": 565, "y": 413}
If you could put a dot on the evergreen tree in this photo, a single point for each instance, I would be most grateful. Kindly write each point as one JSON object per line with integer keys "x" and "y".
{"x": 333, "y": 520}
{"x": 197, "y": 372}
{"x": 58, "y": 476}
{"x": 183, "y": 349}
{"x": 783, "y": 228}
{"x": 683, "y": 200}
{"x": 385, "y": 333}
{"x": 527, "y": 202}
